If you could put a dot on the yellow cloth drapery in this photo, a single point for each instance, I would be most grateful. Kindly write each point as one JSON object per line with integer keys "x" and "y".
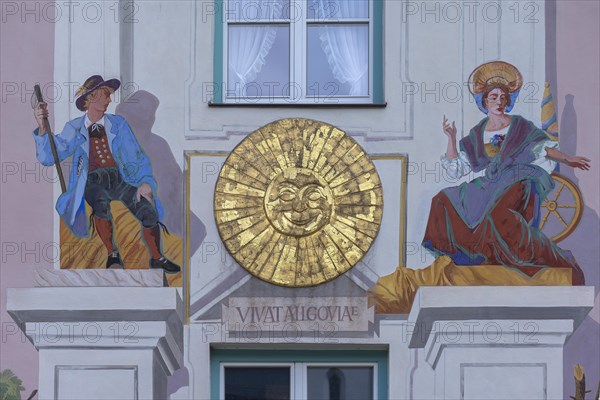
{"x": 84, "y": 253}
{"x": 394, "y": 293}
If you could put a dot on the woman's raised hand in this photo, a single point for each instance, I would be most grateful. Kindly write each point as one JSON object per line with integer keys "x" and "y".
{"x": 449, "y": 130}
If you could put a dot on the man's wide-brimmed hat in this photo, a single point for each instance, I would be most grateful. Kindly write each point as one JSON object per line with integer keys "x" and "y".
{"x": 495, "y": 73}
{"x": 90, "y": 85}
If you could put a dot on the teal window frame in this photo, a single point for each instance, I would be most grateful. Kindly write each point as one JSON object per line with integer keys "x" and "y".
{"x": 377, "y": 43}
{"x": 257, "y": 357}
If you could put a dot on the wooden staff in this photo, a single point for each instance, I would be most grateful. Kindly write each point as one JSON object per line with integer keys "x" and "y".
{"x": 40, "y": 99}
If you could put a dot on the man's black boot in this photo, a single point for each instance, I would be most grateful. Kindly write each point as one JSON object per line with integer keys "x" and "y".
{"x": 164, "y": 263}
{"x": 114, "y": 260}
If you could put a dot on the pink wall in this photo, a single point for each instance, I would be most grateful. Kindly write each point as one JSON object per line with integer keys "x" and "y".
{"x": 578, "y": 63}
{"x": 578, "y": 79}
{"x": 26, "y": 57}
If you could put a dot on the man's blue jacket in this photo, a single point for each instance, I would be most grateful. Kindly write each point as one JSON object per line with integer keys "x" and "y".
{"x": 133, "y": 164}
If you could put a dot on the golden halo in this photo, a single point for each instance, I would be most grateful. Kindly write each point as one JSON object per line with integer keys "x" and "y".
{"x": 298, "y": 203}
{"x": 495, "y": 72}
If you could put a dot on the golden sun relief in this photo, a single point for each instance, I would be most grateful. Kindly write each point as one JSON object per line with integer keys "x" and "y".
{"x": 298, "y": 203}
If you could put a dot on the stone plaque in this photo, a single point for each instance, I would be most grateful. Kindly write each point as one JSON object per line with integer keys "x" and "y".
{"x": 344, "y": 314}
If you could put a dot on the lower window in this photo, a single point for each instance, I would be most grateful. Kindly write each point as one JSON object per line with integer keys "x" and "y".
{"x": 268, "y": 383}
{"x": 273, "y": 375}
{"x": 340, "y": 382}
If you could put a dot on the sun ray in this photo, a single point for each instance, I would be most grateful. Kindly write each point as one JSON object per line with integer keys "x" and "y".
{"x": 339, "y": 262}
{"x": 225, "y": 185}
{"x": 240, "y": 228}
{"x": 238, "y": 161}
{"x": 321, "y": 271}
{"x": 237, "y": 175}
{"x": 224, "y": 202}
{"x": 349, "y": 250}
{"x": 254, "y": 249}
{"x": 364, "y": 236}
{"x": 273, "y": 146}
{"x": 336, "y": 153}
{"x": 285, "y": 272}
{"x": 332, "y": 173}
{"x": 238, "y": 213}
{"x": 247, "y": 151}
{"x": 267, "y": 270}
{"x": 264, "y": 151}
{"x": 366, "y": 227}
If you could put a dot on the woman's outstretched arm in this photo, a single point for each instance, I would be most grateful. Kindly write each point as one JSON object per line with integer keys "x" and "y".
{"x": 571, "y": 161}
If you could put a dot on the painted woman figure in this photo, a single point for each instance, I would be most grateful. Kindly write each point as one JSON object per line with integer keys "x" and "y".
{"x": 493, "y": 219}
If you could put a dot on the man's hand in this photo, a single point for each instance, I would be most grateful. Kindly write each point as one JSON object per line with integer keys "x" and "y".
{"x": 39, "y": 112}
{"x": 144, "y": 191}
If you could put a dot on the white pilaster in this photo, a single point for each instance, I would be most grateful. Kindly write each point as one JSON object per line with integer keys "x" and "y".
{"x": 102, "y": 342}
{"x": 496, "y": 342}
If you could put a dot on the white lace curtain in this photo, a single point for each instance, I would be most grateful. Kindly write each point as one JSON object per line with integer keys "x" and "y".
{"x": 347, "y": 46}
{"x": 249, "y": 45}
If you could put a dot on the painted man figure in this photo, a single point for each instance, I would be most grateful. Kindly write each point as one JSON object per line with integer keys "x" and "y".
{"x": 108, "y": 164}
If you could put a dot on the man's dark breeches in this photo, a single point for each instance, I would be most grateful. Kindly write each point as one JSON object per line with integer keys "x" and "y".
{"x": 106, "y": 184}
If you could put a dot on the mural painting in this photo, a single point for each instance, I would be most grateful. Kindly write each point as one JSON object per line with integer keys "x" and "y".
{"x": 271, "y": 200}
{"x": 495, "y": 218}
{"x": 109, "y": 166}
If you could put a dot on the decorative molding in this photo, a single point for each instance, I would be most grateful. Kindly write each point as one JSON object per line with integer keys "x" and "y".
{"x": 544, "y": 367}
{"x": 99, "y": 277}
{"x": 215, "y": 129}
{"x": 409, "y": 108}
{"x": 59, "y": 368}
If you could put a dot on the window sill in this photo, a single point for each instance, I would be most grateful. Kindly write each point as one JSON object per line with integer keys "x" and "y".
{"x": 297, "y": 105}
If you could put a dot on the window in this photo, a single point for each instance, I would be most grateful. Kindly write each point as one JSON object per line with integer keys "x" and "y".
{"x": 340, "y": 382}
{"x": 257, "y": 382}
{"x": 283, "y": 382}
{"x": 292, "y": 374}
{"x": 299, "y": 51}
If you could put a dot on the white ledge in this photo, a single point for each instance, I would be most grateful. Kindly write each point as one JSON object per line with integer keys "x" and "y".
{"x": 59, "y": 304}
{"x": 455, "y": 303}
{"x": 86, "y": 318}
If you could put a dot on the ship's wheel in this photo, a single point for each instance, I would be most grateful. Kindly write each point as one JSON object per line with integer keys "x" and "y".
{"x": 561, "y": 210}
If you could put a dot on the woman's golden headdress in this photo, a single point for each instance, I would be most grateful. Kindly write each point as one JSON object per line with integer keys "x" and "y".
{"x": 492, "y": 73}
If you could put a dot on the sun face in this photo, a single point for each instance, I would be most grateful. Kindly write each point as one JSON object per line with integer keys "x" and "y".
{"x": 298, "y": 203}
